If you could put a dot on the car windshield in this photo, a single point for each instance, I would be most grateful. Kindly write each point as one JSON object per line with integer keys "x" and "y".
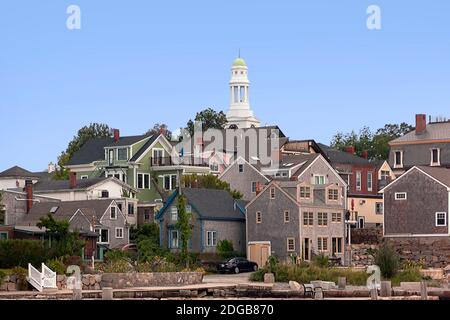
{"x": 231, "y": 260}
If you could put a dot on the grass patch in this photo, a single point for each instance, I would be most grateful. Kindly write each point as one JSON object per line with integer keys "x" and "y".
{"x": 407, "y": 275}
{"x": 307, "y": 273}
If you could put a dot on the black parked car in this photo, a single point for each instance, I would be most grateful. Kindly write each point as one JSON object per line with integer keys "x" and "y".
{"x": 237, "y": 265}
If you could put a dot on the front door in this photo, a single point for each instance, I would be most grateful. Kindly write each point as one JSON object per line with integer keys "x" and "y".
{"x": 361, "y": 222}
{"x": 306, "y": 249}
{"x": 259, "y": 253}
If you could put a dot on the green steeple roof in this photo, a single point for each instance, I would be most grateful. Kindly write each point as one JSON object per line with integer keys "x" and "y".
{"x": 239, "y": 62}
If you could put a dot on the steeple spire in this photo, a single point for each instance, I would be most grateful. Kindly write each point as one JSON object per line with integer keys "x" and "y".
{"x": 240, "y": 115}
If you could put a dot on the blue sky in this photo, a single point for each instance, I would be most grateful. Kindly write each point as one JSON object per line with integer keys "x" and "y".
{"x": 315, "y": 68}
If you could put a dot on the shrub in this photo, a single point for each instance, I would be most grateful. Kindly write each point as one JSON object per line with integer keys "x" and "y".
{"x": 119, "y": 266}
{"x": 2, "y": 276}
{"x": 388, "y": 261}
{"x": 57, "y": 266}
{"x": 18, "y": 253}
{"x": 307, "y": 273}
{"x": 271, "y": 264}
{"x": 147, "y": 249}
{"x": 321, "y": 261}
{"x": 157, "y": 264}
{"x": 21, "y": 274}
{"x": 407, "y": 275}
{"x": 225, "y": 249}
{"x": 116, "y": 255}
{"x": 145, "y": 232}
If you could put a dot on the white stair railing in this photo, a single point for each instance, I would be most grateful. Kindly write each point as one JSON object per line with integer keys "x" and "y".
{"x": 48, "y": 277}
{"x": 41, "y": 280}
{"x": 35, "y": 277}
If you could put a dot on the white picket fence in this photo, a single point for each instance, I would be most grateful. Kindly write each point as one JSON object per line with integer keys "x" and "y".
{"x": 41, "y": 280}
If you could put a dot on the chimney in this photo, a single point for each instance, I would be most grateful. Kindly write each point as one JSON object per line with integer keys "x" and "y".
{"x": 73, "y": 180}
{"x": 365, "y": 154}
{"x": 116, "y": 134}
{"x": 421, "y": 123}
{"x": 350, "y": 149}
{"x": 29, "y": 193}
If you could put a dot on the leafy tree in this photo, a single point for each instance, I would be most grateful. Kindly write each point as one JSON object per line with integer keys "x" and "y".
{"x": 377, "y": 144}
{"x": 2, "y": 210}
{"x": 388, "y": 261}
{"x": 63, "y": 241}
{"x": 184, "y": 227}
{"x": 93, "y": 130}
{"x": 160, "y": 128}
{"x": 209, "y": 181}
{"x": 145, "y": 232}
{"x": 210, "y": 119}
{"x": 225, "y": 249}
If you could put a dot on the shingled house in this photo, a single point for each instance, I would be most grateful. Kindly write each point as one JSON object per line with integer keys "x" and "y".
{"x": 215, "y": 216}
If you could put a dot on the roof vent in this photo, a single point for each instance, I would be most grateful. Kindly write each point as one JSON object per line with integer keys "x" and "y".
{"x": 54, "y": 209}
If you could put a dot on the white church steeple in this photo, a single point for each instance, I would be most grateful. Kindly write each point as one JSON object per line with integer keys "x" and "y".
{"x": 240, "y": 115}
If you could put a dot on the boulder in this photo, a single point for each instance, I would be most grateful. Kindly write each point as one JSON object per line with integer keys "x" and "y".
{"x": 295, "y": 286}
{"x": 269, "y": 278}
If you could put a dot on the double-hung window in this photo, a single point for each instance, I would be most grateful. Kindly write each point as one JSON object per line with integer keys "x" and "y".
{"x": 358, "y": 180}
{"x": 211, "y": 238}
{"x": 441, "y": 219}
{"x": 435, "y": 156}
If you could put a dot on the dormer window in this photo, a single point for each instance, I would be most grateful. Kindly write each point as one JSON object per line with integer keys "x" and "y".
{"x": 333, "y": 194}
{"x": 435, "y": 157}
{"x": 305, "y": 192}
{"x": 111, "y": 156}
{"x": 122, "y": 154}
{"x": 398, "y": 159}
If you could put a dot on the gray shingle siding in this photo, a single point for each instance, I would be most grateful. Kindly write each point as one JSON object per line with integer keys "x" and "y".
{"x": 420, "y": 154}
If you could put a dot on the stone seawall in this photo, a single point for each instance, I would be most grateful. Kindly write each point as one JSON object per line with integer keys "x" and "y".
{"x": 120, "y": 280}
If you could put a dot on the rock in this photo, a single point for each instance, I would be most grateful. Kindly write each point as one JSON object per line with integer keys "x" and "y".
{"x": 107, "y": 294}
{"x": 295, "y": 286}
{"x": 12, "y": 278}
{"x": 92, "y": 280}
{"x": 85, "y": 280}
{"x": 269, "y": 278}
{"x": 11, "y": 286}
{"x": 386, "y": 289}
{"x": 60, "y": 278}
{"x": 97, "y": 286}
{"x": 342, "y": 283}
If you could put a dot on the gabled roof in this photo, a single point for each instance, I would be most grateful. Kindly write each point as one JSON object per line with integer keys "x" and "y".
{"x": 17, "y": 172}
{"x": 142, "y": 150}
{"x": 82, "y": 184}
{"x": 94, "y": 149}
{"x": 342, "y": 157}
{"x": 275, "y": 184}
{"x": 304, "y": 160}
{"x": 434, "y": 131}
{"x": 210, "y": 204}
{"x": 439, "y": 174}
{"x": 64, "y": 210}
{"x": 241, "y": 160}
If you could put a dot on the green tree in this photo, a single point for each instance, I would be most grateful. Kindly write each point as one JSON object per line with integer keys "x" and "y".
{"x": 210, "y": 119}
{"x": 225, "y": 249}
{"x": 377, "y": 144}
{"x": 145, "y": 232}
{"x": 184, "y": 227}
{"x": 209, "y": 181}
{"x": 63, "y": 241}
{"x": 160, "y": 128}
{"x": 2, "y": 210}
{"x": 93, "y": 130}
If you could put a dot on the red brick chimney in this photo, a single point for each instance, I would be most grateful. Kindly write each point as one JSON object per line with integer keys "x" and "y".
{"x": 73, "y": 180}
{"x": 421, "y": 123}
{"x": 116, "y": 133}
{"x": 350, "y": 149}
{"x": 365, "y": 154}
{"x": 29, "y": 193}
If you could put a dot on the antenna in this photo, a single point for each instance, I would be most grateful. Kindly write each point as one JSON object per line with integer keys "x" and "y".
{"x": 239, "y": 53}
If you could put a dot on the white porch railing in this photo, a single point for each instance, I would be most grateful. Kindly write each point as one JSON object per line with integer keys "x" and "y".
{"x": 41, "y": 280}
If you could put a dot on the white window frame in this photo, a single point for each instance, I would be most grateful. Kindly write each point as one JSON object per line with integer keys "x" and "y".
{"x": 255, "y": 185}
{"x": 115, "y": 212}
{"x": 258, "y": 217}
{"x": 142, "y": 187}
{"x": 401, "y": 193}
{"x": 328, "y": 194}
{"x": 272, "y": 194}
{"x": 438, "y": 163}
{"x": 5, "y": 233}
{"x": 122, "y": 231}
{"x": 211, "y": 238}
{"x": 320, "y": 244}
{"x": 288, "y": 216}
{"x": 337, "y": 240}
{"x": 173, "y": 212}
{"x": 358, "y": 180}
{"x": 395, "y": 159}
{"x": 369, "y": 181}
{"x": 171, "y": 186}
{"x": 117, "y": 154}
{"x": 319, "y": 176}
{"x": 305, "y": 187}
{"x": 99, "y": 230}
{"x": 445, "y": 219}
{"x": 293, "y": 244}
{"x": 382, "y": 208}
{"x": 171, "y": 239}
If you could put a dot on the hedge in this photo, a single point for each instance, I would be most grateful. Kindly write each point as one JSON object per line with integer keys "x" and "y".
{"x": 18, "y": 253}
